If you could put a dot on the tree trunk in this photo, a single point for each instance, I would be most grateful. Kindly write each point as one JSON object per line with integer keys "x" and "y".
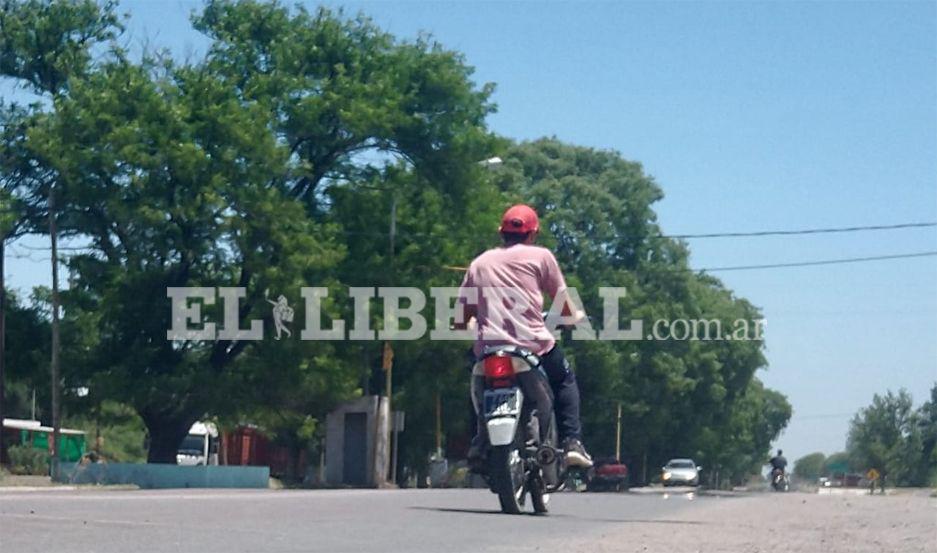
{"x": 165, "y": 436}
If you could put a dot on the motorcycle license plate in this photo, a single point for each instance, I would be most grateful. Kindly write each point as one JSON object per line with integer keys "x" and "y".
{"x": 503, "y": 402}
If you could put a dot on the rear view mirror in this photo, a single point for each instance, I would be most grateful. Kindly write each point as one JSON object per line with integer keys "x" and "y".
{"x": 699, "y": 467}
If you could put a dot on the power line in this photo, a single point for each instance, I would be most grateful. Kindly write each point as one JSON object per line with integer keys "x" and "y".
{"x": 794, "y": 232}
{"x": 778, "y": 265}
{"x": 802, "y": 231}
{"x": 820, "y": 262}
{"x": 47, "y": 248}
{"x": 789, "y": 232}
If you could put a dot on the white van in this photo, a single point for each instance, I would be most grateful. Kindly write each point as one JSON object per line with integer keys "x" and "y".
{"x": 200, "y": 446}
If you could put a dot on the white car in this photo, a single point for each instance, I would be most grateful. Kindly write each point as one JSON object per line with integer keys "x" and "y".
{"x": 680, "y": 472}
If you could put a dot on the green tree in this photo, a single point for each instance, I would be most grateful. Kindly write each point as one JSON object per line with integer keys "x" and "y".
{"x": 26, "y": 360}
{"x": 20, "y": 178}
{"x": 434, "y": 229}
{"x": 221, "y": 173}
{"x": 336, "y": 88}
{"x": 46, "y": 43}
{"x": 374, "y": 126}
{"x": 927, "y": 422}
{"x": 679, "y": 397}
{"x": 810, "y": 466}
{"x": 43, "y": 44}
{"x": 14, "y": 222}
{"x": 837, "y": 463}
{"x": 115, "y": 433}
{"x": 171, "y": 179}
{"x": 739, "y": 446}
{"x": 279, "y": 160}
{"x": 886, "y": 436}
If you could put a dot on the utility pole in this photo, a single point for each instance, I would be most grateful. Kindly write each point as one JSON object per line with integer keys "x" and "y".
{"x": 644, "y": 469}
{"x": 618, "y": 435}
{"x": 396, "y": 428}
{"x": 387, "y": 363}
{"x": 388, "y": 349}
{"x": 3, "y": 299}
{"x": 438, "y": 425}
{"x": 389, "y": 369}
{"x": 56, "y": 407}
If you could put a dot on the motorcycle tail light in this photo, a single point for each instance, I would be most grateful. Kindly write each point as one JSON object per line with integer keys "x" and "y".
{"x": 498, "y": 368}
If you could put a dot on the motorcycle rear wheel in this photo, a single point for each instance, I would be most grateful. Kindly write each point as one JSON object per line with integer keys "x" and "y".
{"x": 506, "y": 474}
{"x": 539, "y": 498}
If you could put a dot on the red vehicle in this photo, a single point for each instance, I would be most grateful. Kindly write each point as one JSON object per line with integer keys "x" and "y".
{"x": 608, "y": 475}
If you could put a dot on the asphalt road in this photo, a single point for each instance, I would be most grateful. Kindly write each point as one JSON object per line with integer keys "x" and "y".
{"x": 415, "y": 521}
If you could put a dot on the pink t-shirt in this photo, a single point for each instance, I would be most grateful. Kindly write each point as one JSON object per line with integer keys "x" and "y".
{"x": 510, "y": 282}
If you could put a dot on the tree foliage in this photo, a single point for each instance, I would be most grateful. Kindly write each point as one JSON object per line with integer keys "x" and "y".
{"x": 26, "y": 360}
{"x": 219, "y": 173}
{"x": 810, "y": 467}
{"x": 694, "y": 398}
{"x": 45, "y": 43}
{"x": 894, "y": 438}
{"x": 283, "y": 159}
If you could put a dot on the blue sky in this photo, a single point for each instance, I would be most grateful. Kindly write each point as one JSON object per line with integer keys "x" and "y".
{"x": 750, "y": 116}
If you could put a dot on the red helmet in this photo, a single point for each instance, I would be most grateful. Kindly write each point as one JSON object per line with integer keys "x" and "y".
{"x": 519, "y": 219}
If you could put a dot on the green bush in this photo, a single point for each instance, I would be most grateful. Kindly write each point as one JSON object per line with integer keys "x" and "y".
{"x": 114, "y": 431}
{"x": 29, "y": 460}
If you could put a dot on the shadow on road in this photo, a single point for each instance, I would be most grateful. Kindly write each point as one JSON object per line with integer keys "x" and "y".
{"x": 453, "y": 510}
{"x": 564, "y": 516}
{"x": 485, "y": 512}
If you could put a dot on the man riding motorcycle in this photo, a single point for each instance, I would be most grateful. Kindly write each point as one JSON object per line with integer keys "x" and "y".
{"x": 527, "y": 272}
{"x": 778, "y": 464}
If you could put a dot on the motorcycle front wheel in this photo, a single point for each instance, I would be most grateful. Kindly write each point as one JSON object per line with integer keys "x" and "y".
{"x": 506, "y": 473}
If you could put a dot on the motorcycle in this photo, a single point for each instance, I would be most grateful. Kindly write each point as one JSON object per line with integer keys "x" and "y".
{"x": 779, "y": 481}
{"x": 511, "y": 392}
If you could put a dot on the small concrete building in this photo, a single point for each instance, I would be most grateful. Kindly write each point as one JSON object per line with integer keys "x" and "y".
{"x": 357, "y": 451}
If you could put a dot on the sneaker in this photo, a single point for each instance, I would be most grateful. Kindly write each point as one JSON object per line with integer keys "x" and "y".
{"x": 576, "y": 455}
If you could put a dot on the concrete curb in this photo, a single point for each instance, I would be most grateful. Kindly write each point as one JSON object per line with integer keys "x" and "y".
{"x": 17, "y": 489}
{"x": 65, "y": 488}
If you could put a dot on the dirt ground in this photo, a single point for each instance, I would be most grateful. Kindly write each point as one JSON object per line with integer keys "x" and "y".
{"x": 792, "y": 522}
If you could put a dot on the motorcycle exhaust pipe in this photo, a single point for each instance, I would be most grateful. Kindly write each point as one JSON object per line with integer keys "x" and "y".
{"x": 546, "y": 455}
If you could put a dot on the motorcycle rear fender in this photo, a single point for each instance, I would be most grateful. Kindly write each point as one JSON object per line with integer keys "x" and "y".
{"x": 501, "y": 430}
{"x": 518, "y": 364}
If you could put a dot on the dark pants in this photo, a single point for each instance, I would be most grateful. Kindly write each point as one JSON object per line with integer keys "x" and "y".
{"x": 565, "y": 390}
{"x": 565, "y": 393}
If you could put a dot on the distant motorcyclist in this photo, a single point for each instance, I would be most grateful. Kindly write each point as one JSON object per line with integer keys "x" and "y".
{"x": 778, "y": 466}
{"x": 778, "y": 462}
